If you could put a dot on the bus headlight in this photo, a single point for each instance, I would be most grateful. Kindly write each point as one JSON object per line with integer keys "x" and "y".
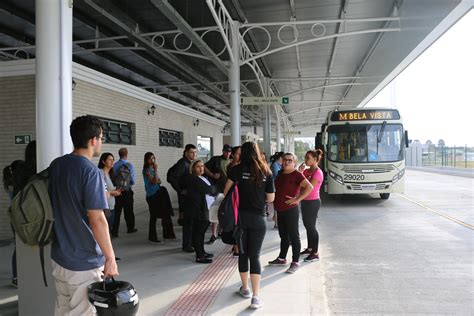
{"x": 398, "y": 176}
{"x": 336, "y": 177}
{"x": 401, "y": 173}
{"x": 395, "y": 178}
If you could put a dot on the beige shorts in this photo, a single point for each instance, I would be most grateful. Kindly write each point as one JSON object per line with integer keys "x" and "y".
{"x": 71, "y": 289}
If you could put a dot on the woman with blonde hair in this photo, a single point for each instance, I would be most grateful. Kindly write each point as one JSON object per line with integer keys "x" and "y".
{"x": 200, "y": 195}
{"x": 291, "y": 188}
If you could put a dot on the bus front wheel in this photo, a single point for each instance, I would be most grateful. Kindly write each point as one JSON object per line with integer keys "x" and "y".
{"x": 384, "y": 196}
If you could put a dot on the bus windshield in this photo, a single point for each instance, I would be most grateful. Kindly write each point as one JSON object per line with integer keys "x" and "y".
{"x": 365, "y": 143}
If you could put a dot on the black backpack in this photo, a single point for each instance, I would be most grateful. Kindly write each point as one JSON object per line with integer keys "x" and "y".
{"x": 124, "y": 177}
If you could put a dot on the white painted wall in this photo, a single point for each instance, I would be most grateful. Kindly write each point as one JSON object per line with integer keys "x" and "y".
{"x": 103, "y": 96}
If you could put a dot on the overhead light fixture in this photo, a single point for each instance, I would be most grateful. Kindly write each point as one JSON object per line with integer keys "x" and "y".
{"x": 151, "y": 110}
{"x": 196, "y": 122}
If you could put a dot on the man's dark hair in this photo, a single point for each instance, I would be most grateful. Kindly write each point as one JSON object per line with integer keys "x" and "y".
{"x": 84, "y": 128}
{"x": 188, "y": 147}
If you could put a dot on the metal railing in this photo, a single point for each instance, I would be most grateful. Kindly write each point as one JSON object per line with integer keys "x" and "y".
{"x": 448, "y": 156}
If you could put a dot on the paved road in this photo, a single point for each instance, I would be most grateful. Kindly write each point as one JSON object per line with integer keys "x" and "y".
{"x": 401, "y": 257}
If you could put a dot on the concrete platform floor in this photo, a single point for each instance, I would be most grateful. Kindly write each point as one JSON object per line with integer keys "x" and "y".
{"x": 411, "y": 254}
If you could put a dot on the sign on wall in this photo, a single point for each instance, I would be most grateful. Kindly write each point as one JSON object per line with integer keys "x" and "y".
{"x": 22, "y": 139}
{"x": 264, "y": 100}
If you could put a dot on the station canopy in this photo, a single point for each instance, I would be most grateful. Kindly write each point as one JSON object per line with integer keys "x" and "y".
{"x": 321, "y": 54}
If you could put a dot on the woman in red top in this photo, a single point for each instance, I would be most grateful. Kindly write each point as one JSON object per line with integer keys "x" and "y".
{"x": 311, "y": 204}
{"x": 291, "y": 188}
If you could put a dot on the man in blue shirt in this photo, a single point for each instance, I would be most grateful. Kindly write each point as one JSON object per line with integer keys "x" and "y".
{"x": 125, "y": 200}
{"x": 82, "y": 251}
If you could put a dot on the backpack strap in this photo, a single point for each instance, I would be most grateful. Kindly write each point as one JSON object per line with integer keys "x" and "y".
{"x": 41, "y": 250}
{"x": 235, "y": 202}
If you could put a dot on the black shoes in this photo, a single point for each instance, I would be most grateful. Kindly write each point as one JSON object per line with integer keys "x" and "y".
{"x": 203, "y": 260}
{"x": 212, "y": 240}
{"x": 180, "y": 221}
{"x": 209, "y": 255}
{"x": 131, "y": 231}
{"x": 188, "y": 249}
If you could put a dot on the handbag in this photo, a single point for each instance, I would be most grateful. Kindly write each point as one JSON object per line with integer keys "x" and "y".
{"x": 213, "y": 210}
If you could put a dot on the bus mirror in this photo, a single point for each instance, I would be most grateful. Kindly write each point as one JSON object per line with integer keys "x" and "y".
{"x": 406, "y": 139}
{"x": 324, "y": 138}
{"x": 318, "y": 140}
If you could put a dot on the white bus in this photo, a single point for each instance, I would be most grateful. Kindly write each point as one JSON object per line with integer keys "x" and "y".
{"x": 364, "y": 152}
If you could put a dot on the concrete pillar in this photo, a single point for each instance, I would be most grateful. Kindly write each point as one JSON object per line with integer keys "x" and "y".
{"x": 234, "y": 88}
{"x": 53, "y": 116}
{"x": 278, "y": 128}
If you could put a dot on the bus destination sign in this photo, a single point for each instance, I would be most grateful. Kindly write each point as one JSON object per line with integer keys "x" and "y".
{"x": 365, "y": 115}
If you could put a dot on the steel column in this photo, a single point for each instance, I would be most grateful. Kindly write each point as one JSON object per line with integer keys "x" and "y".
{"x": 278, "y": 128}
{"x": 234, "y": 87}
{"x": 266, "y": 120}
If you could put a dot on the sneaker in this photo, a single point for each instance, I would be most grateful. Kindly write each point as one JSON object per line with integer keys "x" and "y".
{"x": 245, "y": 292}
{"x": 277, "y": 262}
{"x": 15, "y": 282}
{"x": 235, "y": 254}
{"x": 307, "y": 251}
{"x": 312, "y": 257}
{"x": 117, "y": 259}
{"x": 293, "y": 267}
{"x": 156, "y": 242}
{"x": 256, "y": 303}
{"x": 212, "y": 240}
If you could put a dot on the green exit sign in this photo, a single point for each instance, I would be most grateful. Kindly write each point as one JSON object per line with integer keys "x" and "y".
{"x": 285, "y": 100}
{"x": 22, "y": 139}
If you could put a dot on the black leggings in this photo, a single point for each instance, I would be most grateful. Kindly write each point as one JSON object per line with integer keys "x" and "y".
{"x": 288, "y": 230}
{"x": 309, "y": 211}
{"x": 254, "y": 228}
{"x": 155, "y": 213}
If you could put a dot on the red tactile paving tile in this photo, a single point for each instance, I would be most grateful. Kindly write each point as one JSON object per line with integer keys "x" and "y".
{"x": 203, "y": 291}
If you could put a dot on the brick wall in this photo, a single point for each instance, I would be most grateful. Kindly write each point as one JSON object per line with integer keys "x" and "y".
{"x": 17, "y": 108}
{"x": 17, "y": 117}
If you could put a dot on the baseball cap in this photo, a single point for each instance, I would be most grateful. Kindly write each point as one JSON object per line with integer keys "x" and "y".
{"x": 227, "y": 147}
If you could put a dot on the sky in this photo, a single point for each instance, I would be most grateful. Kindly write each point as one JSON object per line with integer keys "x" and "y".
{"x": 435, "y": 93}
